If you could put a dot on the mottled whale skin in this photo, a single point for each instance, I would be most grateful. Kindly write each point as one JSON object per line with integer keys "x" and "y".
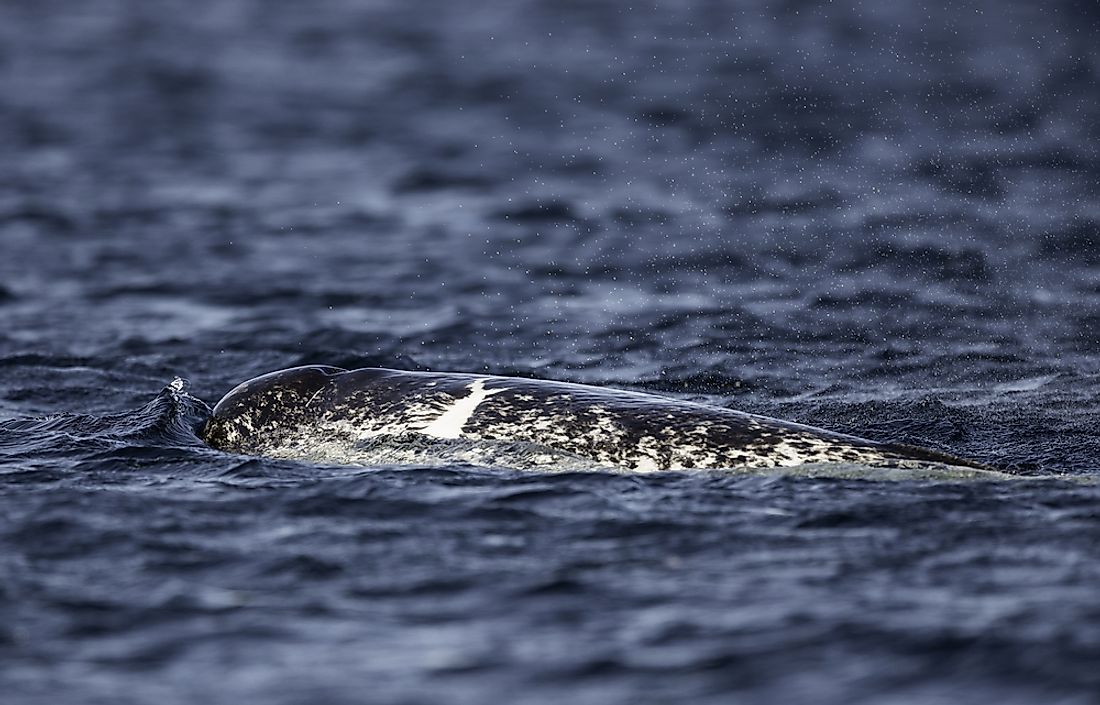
{"x": 284, "y": 414}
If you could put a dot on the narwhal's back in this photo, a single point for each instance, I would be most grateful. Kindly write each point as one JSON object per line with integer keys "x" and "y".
{"x": 294, "y": 412}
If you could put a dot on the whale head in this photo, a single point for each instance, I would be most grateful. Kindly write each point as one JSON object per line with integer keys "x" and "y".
{"x": 263, "y": 409}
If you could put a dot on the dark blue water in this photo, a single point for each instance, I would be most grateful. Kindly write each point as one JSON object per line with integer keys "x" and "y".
{"x": 883, "y": 220}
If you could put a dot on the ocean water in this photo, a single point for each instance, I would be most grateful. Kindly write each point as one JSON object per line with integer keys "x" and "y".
{"x": 879, "y": 219}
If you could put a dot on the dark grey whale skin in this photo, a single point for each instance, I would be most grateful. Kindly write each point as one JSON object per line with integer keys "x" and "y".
{"x": 614, "y": 427}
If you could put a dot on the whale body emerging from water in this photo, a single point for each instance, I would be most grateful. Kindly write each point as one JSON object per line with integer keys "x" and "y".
{"x": 329, "y": 414}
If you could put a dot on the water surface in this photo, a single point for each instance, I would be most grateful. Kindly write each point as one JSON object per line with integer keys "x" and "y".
{"x": 879, "y": 220}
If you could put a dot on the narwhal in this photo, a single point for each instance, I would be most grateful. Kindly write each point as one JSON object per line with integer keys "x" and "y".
{"x": 306, "y": 412}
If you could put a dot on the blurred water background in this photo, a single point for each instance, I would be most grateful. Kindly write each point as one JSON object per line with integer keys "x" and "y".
{"x": 878, "y": 218}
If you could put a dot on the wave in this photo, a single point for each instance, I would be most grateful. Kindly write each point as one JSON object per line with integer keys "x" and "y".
{"x": 169, "y": 421}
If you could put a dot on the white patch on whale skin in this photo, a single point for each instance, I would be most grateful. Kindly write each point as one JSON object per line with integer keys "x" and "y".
{"x": 450, "y": 422}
